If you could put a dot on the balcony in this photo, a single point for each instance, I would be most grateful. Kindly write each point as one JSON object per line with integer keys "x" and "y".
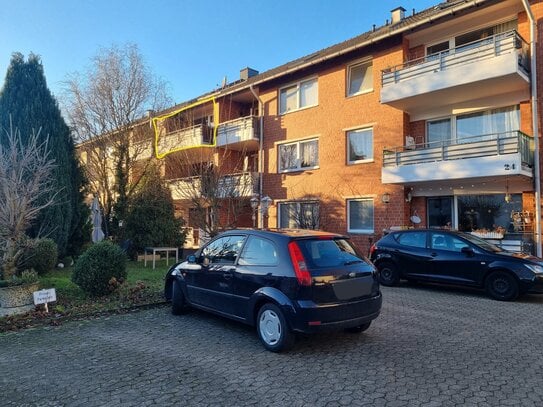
{"x": 194, "y": 136}
{"x": 241, "y": 185}
{"x": 239, "y": 134}
{"x": 483, "y": 69}
{"x": 490, "y": 155}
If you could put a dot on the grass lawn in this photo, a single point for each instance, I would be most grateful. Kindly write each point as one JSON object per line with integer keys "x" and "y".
{"x": 143, "y": 286}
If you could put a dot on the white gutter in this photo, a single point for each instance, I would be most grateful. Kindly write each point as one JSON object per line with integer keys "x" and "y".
{"x": 260, "y": 151}
{"x": 535, "y": 125}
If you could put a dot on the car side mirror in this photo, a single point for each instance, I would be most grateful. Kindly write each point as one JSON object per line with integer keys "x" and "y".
{"x": 191, "y": 259}
{"x": 467, "y": 250}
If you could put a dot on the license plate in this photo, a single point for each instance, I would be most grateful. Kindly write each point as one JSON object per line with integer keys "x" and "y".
{"x": 352, "y": 288}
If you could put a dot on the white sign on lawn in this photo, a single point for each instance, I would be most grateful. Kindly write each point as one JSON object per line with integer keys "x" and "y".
{"x": 44, "y": 297}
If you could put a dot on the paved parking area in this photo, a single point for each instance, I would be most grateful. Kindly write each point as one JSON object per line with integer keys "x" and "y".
{"x": 430, "y": 347}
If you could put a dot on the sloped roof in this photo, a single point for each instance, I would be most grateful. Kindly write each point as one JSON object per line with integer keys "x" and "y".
{"x": 439, "y": 11}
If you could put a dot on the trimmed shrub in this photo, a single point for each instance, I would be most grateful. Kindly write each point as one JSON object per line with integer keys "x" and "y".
{"x": 101, "y": 269}
{"x": 40, "y": 255}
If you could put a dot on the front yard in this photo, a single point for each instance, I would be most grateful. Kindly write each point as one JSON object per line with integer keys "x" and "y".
{"x": 143, "y": 287}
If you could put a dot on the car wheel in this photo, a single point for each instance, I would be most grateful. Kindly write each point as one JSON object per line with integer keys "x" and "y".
{"x": 272, "y": 328}
{"x": 388, "y": 274}
{"x": 359, "y": 329}
{"x": 502, "y": 286}
{"x": 179, "y": 305}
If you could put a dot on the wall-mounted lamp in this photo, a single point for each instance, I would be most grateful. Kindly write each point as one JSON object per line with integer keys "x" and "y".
{"x": 264, "y": 204}
{"x": 254, "y": 207}
{"x": 385, "y": 198}
{"x": 409, "y": 196}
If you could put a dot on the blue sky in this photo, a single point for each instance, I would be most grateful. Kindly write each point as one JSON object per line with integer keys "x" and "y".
{"x": 190, "y": 44}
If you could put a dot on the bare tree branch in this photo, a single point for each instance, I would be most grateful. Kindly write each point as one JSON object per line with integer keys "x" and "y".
{"x": 26, "y": 188}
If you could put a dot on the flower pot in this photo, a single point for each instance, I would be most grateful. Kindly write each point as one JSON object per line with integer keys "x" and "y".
{"x": 17, "y": 295}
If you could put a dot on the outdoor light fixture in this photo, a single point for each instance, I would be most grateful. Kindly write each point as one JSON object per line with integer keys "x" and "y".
{"x": 265, "y": 203}
{"x": 385, "y": 198}
{"x": 254, "y": 207}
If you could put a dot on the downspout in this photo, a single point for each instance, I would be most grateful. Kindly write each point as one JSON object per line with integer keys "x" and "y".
{"x": 260, "y": 151}
{"x": 537, "y": 175}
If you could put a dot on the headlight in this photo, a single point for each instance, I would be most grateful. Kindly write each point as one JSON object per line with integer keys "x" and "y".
{"x": 536, "y": 268}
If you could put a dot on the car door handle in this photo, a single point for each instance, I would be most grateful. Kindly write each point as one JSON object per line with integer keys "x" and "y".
{"x": 229, "y": 273}
{"x": 433, "y": 254}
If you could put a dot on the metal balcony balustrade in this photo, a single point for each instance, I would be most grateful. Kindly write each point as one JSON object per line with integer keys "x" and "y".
{"x": 236, "y": 130}
{"x": 514, "y": 142}
{"x": 474, "y": 52}
{"x": 243, "y": 184}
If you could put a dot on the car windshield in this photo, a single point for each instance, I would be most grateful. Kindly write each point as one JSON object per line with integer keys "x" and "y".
{"x": 483, "y": 244}
{"x": 321, "y": 253}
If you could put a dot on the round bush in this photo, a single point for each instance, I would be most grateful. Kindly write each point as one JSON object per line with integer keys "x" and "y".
{"x": 100, "y": 269}
{"x": 40, "y": 255}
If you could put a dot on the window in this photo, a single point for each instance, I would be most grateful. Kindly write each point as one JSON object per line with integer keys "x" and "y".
{"x": 297, "y": 96}
{"x": 442, "y": 241}
{"x": 360, "y": 145}
{"x": 224, "y": 250}
{"x": 415, "y": 239}
{"x": 299, "y": 156}
{"x": 258, "y": 252}
{"x": 299, "y": 215}
{"x": 360, "y": 215}
{"x": 360, "y": 78}
{"x": 474, "y": 127}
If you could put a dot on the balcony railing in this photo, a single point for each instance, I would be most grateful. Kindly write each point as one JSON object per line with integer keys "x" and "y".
{"x": 238, "y": 185}
{"x": 514, "y": 142}
{"x": 238, "y": 130}
{"x": 476, "y": 51}
{"x": 193, "y": 136}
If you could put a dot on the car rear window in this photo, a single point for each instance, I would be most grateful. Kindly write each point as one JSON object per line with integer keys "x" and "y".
{"x": 323, "y": 253}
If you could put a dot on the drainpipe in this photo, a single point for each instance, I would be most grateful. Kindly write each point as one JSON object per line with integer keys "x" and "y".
{"x": 537, "y": 175}
{"x": 260, "y": 150}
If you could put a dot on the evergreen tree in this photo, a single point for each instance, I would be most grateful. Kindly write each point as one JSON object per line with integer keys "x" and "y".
{"x": 26, "y": 102}
{"x": 150, "y": 219}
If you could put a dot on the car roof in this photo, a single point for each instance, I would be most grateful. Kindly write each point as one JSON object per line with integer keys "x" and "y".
{"x": 293, "y": 233}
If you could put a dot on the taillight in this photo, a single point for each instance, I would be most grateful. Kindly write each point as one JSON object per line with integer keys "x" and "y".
{"x": 372, "y": 249}
{"x": 300, "y": 266}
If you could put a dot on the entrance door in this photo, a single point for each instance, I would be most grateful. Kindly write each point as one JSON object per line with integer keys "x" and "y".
{"x": 440, "y": 212}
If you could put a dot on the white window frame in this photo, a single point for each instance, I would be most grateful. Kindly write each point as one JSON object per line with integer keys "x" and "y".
{"x": 298, "y": 158}
{"x": 298, "y": 208}
{"x": 360, "y": 231}
{"x": 349, "y": 70}
{"x": 365, "y": 160}
{"x": 298, "y": 95}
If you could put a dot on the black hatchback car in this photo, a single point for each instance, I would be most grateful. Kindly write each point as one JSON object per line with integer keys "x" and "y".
{"x": 443, "y": 256}
{"x": 282, "y": 282}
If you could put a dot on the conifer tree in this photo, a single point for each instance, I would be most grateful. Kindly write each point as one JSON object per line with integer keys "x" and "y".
{"x": 27, "y": 103}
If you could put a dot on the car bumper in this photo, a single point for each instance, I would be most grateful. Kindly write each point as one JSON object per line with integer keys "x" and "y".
{"x": 309, "y": 317}
{"x": 535, "y": 285}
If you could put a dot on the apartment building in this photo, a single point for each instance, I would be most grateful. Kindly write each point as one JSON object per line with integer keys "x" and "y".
{"x": 427, "y": 121}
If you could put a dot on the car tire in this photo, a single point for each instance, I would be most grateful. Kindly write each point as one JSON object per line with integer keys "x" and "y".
{"x": 358, "y": 329}
{"x": 388, "y": 274}
{"x": 502, "y": 286}
{"x": 273, "y": 330}
{"x": 179, "y": 304}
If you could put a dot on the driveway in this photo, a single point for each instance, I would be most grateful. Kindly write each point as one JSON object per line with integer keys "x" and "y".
{"x": 429, "y": 347}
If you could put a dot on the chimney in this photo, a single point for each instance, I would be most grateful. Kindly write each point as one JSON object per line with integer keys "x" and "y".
{"x": 398, "y": 15}
{"x": 247, "y": 73}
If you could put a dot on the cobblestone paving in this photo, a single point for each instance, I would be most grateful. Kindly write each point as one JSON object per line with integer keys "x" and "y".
{"x": 429, "y": 347}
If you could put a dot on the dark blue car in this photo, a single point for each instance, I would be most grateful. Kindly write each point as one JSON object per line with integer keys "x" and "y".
{"x": 442, "y": 256}
{"x": 282, "y": 282}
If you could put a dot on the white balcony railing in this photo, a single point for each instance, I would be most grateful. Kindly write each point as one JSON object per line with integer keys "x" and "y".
{"x": 475, "y": 52}
{"x": 490, "y": 155}
{"x": 238, "y": 130}
{"x": 227, "y": 186}
{"x": 193, "y": 136}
